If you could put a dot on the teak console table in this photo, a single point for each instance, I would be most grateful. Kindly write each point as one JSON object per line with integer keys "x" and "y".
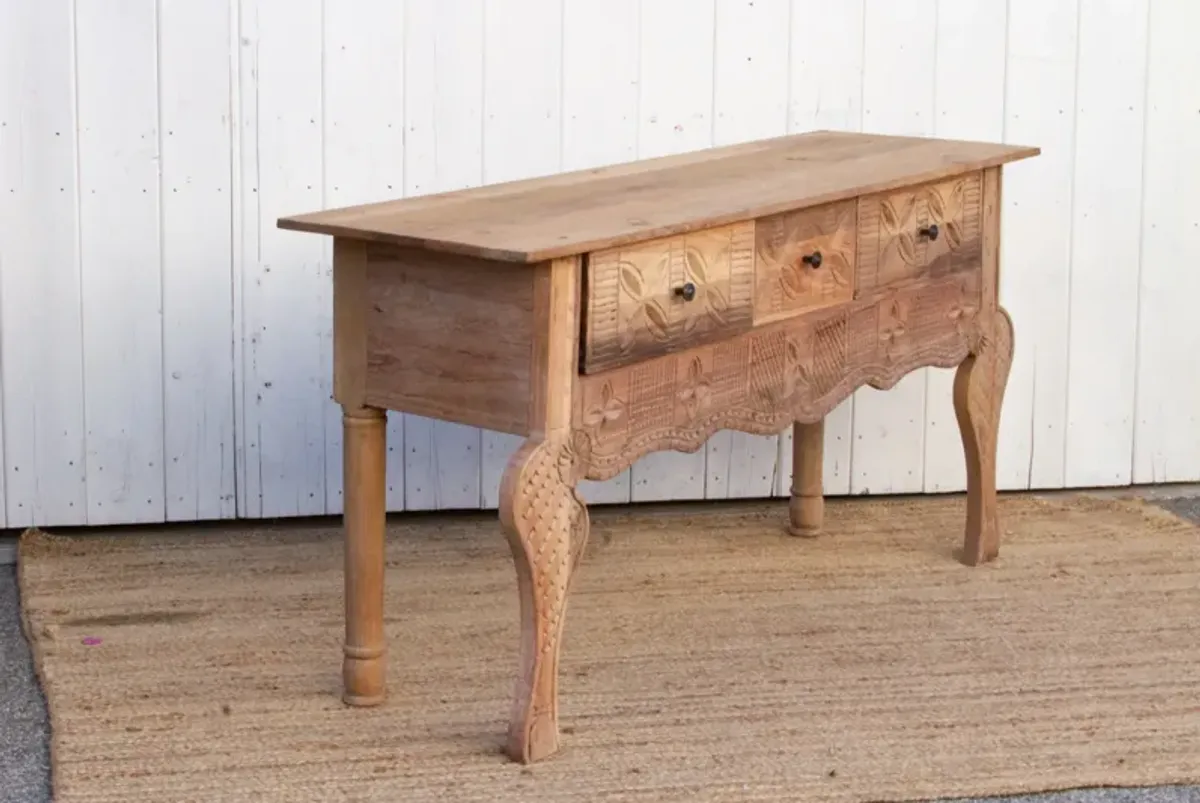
{"x": 608, "y": 313}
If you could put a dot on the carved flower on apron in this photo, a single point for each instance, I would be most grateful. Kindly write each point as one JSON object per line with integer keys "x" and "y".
{"x": 798, "y": 376}
{"x": 960, "y": 310}
{"x": 696, "y": 391}
{"x": 607, "y": 410}
{"x": 893, "y": 327}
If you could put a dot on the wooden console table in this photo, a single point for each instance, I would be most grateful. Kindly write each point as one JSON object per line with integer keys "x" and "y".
{"x": 605, "y": 314}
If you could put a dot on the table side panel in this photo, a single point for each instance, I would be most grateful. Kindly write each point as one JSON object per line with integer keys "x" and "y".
{"x": 761, "y": 381}
{"x": 349, "y": 323}
{"x": 449, "y": 337}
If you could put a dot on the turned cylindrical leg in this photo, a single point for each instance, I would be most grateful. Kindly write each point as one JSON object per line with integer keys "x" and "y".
{"x": 806, "y": 511}
{"x": 365, "y": 464}
{"x": 978, "y": 394}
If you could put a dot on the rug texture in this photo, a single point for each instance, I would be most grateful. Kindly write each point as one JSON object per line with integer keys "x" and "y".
{"x": 708, "y": 656}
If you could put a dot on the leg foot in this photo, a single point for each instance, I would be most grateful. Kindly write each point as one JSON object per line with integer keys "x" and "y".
{"x": 364, "y": 455}
{"x": 978, "y": 394}
{"x": 806, "y": 510}
{"x": 546, "y": 524}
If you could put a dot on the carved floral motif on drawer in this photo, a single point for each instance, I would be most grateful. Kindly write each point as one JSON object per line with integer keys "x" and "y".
{"x": 668, "y": 294}
{"x": 925, "y": 232}
{"x": 804, "y": 259}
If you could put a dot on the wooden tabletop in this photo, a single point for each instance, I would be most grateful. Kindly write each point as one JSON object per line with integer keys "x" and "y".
{"x": 570, "y": 213}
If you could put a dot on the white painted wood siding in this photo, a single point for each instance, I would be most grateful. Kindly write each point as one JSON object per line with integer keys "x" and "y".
{"x": 165, "y": 350}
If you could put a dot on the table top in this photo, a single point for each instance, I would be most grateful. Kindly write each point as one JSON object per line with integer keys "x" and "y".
{"x": 570, "y": 213}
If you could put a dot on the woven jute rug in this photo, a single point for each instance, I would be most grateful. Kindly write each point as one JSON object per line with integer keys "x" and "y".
{"x": 708, "y": 656}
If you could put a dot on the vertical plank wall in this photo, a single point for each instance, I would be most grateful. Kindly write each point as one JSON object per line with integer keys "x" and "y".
{"x": 165, "y": 350}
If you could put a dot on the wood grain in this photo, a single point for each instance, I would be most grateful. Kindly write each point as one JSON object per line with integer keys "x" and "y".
{"x": 350, "y": 295}
{"x": 449, "y": 337}
{"x": 556, "y": 305}
{"x": 570, "y": 213}
{"x": 993, "y": 184}
{"x": 634, "y": 312}
{"x": 785, "y": 283}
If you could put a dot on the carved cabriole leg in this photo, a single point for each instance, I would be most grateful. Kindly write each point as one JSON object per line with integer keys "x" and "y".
{"x": 543, "y": 517}
{"x": 365, "y": 455}
{"x": 978, "y": 395}
{"x": 546, "y": 523}
{"x": 807, "y": 507}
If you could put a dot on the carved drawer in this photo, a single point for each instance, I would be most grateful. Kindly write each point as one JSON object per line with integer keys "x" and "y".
{"x": 804, "y": 260}
{"x": 920, "y": 233}
{"x": 665, "y": 295}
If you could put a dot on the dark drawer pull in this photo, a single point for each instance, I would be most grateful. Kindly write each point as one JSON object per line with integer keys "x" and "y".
{"x": 687, "y": 292}
{"x": 930, "y": 231}
{"x": 813, "y": 259}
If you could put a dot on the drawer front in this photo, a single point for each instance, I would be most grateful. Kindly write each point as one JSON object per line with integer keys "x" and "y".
{"x": 920, "y": 233}
{"x": 804, "y": 260}
{"x": 668, "y": 294}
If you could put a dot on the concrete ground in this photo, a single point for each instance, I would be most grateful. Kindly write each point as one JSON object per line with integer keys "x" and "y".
{"x": 24, "y": 732}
